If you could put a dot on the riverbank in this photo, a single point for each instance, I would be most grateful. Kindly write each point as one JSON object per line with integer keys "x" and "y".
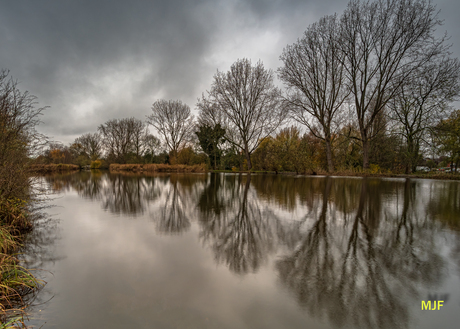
{"x": 428, "y": 175}
{"x": 115, "y": 167}
{"x": 16, "y": 282}
{"x": 50, "y": 168}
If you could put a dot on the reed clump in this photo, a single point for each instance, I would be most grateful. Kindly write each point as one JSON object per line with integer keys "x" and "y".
{"x": 160, "y": 168}
{"x": 14, "y": 216}
{"x": 16, "y": 282}
{"x": 49, "y": 168}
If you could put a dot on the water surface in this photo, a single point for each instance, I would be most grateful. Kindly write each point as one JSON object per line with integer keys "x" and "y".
{"x": 239, "y": 251}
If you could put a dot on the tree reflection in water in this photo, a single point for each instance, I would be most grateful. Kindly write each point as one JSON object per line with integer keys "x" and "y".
{"x": 124, "y": 195}
{"x": 359, "y": 269}
{"x": 357, "y": 255}
{"x": 121, "y": 194}
{"x": 179, "y": 198}
{"x": 238, "y": 231}
{"x": 172, "y": 217}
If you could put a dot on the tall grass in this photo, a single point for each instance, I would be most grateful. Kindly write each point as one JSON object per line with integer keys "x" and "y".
{"x": 16, "y": 282}
{"x": 14, "y": 216}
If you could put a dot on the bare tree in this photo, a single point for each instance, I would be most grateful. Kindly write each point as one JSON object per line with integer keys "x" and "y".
{"x": 314, "y": 75}
{"x": 152, "y": 145}
{"x": 138, "y": 137}
{"x": 420, "y": 104}
{"x": 174, "y": 123}
{"x": 19, "y": 139}
{"x": 384, "y": 43}
{"x": 249, "y": 103}
{"x": 119, "y": 138}
{"x": 209, "y": 113}
{"x": 90, "y": 145}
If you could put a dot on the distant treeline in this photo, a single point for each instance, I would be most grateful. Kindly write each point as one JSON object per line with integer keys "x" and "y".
{"x": 369, "y": 89}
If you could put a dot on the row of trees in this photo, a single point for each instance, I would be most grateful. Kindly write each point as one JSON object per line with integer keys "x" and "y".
{"x": 127, "y": 140}
{"x": 118, "y": 140}
{"x": 376, "y": 72}
{"x": 374, "y": 76}
{"x": 379, "y": 59}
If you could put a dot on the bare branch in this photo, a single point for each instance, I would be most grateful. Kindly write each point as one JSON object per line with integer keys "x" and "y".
{"x": 249, "y": 103}
{"x": 174, "y": 123}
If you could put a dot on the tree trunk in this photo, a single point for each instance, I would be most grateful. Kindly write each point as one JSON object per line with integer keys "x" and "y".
{"x": 248, "y": 157}
{"x": 330, "y": 163}
{"x": 366, "y": 154}
{"x": 412, "y": 151}
{"x": 407, "y": 170}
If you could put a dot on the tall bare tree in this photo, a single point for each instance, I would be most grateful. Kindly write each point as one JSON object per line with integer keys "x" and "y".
{"x": 119, "y": 138}
{"x": 90, "y": 145}
{"x": 249, "y": 102}
{"x": 313, "y": 72}
{"x": 422, "y": 102}
{"x": 384, "y": 43}
{"x": 174, "y": 123}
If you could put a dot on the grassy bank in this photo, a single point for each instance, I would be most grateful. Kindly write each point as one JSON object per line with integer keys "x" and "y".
{"x": 50, "y": 168}
{"x": 114, "y": 167}
{"x": 16, "y": 282}
{"x": 429, "y": 175}
{"x": 357, "y": 173}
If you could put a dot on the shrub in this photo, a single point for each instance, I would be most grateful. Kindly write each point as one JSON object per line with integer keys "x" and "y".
{"x": 374, "y": 169}
{"x": 96, "y": 164}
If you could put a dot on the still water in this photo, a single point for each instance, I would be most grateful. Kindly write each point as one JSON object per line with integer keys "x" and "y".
{"x": 240, "y": 251}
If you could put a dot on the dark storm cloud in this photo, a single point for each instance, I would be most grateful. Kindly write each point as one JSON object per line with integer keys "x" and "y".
{"x": 92, "y": 61}
{"x": 62, "y": 51}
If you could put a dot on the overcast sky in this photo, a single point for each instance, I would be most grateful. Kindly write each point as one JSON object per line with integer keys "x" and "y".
{"x": 91, "y": 61}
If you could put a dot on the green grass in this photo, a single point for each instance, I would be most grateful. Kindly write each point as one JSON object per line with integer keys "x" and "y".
{"x": 13, "y": 322}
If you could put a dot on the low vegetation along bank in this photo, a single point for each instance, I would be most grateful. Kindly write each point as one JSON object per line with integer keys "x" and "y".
{"x": 48, "y": 168}
{"x": 354, "y": 173}
{"x": 19, "y": 140}
{"x": 201, "y": 168}
{"x": 16, "y": 282}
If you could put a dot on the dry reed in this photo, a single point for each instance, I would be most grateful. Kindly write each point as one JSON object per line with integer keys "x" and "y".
{"x": 157, "y": 168}
{"x": 48, "y": 168}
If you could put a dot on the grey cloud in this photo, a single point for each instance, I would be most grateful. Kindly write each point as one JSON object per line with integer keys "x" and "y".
{"x": 91, "y": 61}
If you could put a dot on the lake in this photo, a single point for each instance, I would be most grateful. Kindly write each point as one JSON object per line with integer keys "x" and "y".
{"x": 246, "y": 251}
